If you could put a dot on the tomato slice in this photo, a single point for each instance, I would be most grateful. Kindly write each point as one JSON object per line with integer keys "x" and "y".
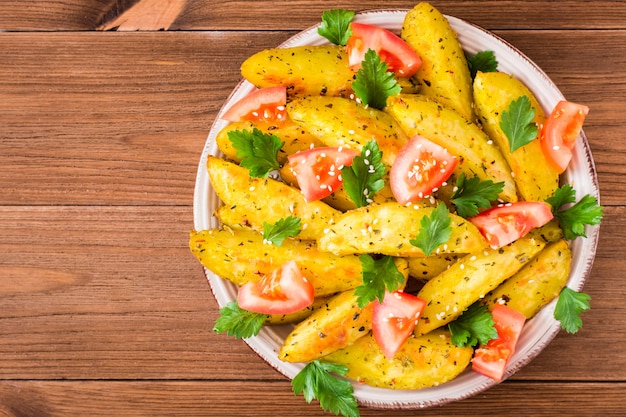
{"x": 419, "y": 169}
{"x": 560, "y": 130}
{"x": 401, "y": 59}
{"x": 284, "y": 291}
{"x": 264, "y": 105}
{"x": 393, "y": 321}
{"x": 491, "y": 359}
{"x": 508, "y": 222}
{"x": 318, "y": 170}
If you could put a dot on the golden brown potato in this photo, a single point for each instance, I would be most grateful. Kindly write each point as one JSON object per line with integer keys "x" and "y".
{"x": 470, "y": 279}
{"x": 477, "y": 156}
{"x": 304, "y": 70}
{"x": 534, "y": 175}
{"x": 240, "y": 256}
{"x": 338, "y": 121}
{"x": 421, "y": 362}
{"x": 444, "y": 74}
{"x": 537, "y": 283}
{"x": 292, "y": 135}
{"x": 427, "y": 267}
{"x": 388, "y": 229}
{"x": 267, "y": 200}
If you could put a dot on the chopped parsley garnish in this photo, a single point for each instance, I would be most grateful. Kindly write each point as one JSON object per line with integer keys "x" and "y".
{"x": 378, "y": 275}
{"x": 276, "y": 233}
{"x": 316, "y": 381}
{"x": 258, "y": 151}
{"x": 336, "y": 26}
{"x": 472, "y": 194}
{"x": 238, "y": 322}
{"x": 364, "y": 177}
{"x": 569, "y": 306}
{"x": 475, "y": 326}
{"x": 373, "y": 83}
{"x": 573, "y": 219}
{"x": 435, "y": 230}
{"x": 517, "y": 123}
{"x": 483, "y": 61}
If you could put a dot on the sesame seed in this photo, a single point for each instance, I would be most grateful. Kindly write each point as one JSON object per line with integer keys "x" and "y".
{"x": 489, "y": 142}
{"x": 556, "y": 147}
{"x": 351, "y": 131}
{"x": 281, "y": 108}
{"x": 251, "y": 188}
{"x": 255, "y": 114}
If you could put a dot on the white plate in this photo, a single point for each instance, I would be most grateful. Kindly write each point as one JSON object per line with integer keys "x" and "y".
{"x": 537, "y": 333}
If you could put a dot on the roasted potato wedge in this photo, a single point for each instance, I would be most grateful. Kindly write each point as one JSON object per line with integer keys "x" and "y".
{"x": 444, "y": 74}
{"x": 537, "y": 283}
{"x": 292, "y": 135}
{"x": 338, "y": 121}
{"x": 535, "y": 177}
{"x": 388, "y": 229}
{"x": 469, "y": 279}
{"x": 427, "y": 267}
{"x": 339, "y": 323}
{"x": 240, "y": 256}
{"x": 304, "y": 70}
{"x": 421, "y": 362}
{"x": 477, "y": 156}
{"x": 267, "y": 200}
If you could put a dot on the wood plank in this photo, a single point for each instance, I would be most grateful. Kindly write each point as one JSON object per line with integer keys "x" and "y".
{"x": 235, "y": 15}
{"x": 223, "y": 398}
{"x": 89, "y": 108}
{"x": 113, "y": 293}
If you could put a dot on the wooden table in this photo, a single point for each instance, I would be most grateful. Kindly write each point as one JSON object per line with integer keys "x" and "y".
{"x": 104, "y": 311}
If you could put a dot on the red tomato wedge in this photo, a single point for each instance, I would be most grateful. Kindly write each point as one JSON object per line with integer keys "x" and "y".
{"x": 393, "y": 321}
{"x": 419, "y": 169}
{"x": 265, "y": 105}
{"x": 506, "y": 223}
{"x": 318, "y": 170}
{"x": 560, "y": 130}
{"x": 286, "y": 290}
{"x": 401, "y": 59}
{"x": 491, "y": 359}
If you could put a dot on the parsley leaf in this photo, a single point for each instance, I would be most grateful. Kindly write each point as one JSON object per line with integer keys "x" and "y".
{"x": 573, "y": 219}
{"x": 276, "y": 233}
{"x": 517, "y": 123}
{"x": 334, "y": 394}
{"x": 563, "y": 195}
{"x": 373, "y": 83}
{"x": 435, "y": 230}
{"x": 238, "y": 322}
{"x": 258, "y": 151}
{"x": 378, "y": 275}
{"x": 364, "y": 177}
{"x": 483, "y": 61}
{"x": 569, "y": 306}
{"x": 336, "y": 26}
{"x": 475, "y": 326}
{"x": 472, "y": 194}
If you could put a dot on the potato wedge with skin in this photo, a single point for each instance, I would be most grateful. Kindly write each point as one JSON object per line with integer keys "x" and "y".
{"x": 537, "y": 283}
{"x": 444, "y": 74}
{"x": 338, "y": 121}
{"x": 336, "y": 325}
{"x": 534, "y": 175}
{"x": 304, "y": 70}
{"x": 469, "y": 279}
{"x": 293, "y": 136}
{"x": 421, "y": 362}
{"x": 240, "y": 256}
{"x": 427, "y": 267}
{"x": 267, "y": 200}
{"x": 477, "y": 155}
{"x": 388, "y": 229}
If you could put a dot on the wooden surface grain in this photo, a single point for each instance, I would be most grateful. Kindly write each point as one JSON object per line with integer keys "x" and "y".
{"x": 104, "y": 311}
